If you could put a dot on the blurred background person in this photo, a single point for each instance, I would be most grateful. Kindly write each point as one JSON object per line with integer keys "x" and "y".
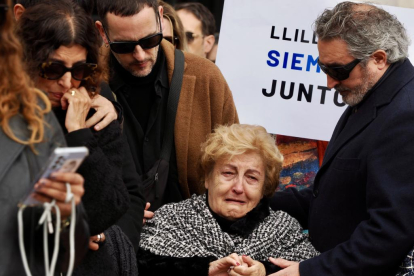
{"x": 173, "y": 29}
{"x": 212, "y": 55}
{"x": 199, "y": 26}
{"x": 208, "y": 234}
{"x": 29, "y": 132}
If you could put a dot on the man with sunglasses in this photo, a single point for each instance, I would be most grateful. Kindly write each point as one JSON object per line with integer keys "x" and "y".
{"x": 359, "y": 211}
{"x": 199, "y": 26}
{"x": 141, "y": 66}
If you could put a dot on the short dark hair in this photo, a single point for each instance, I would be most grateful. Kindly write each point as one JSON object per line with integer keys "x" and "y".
{"x": 45, "y": 27}
{"x": 123, "y": 7}
{"x": 87, "y": 5}
{"x": 208, "y": 23}
{"x": 28, "y": 3}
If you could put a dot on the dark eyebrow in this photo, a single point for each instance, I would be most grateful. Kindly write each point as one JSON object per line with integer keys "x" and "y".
{"x": 61, "y": 62}
{"x": 334, "y": 64}
{"x": 116, "y": 40}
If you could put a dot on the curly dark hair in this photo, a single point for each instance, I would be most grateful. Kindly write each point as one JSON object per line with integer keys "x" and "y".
{"x": 45, "y": 27}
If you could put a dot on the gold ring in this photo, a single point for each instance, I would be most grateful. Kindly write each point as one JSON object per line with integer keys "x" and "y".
{"x": 99, "y": 238}
{"x": 73, "y": 92}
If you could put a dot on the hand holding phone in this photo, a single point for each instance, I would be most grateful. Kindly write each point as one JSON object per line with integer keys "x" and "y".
{"x": 59, "y": 170}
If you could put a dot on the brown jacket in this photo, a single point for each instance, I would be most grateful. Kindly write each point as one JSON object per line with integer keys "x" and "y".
{"x": 205, "y": 102}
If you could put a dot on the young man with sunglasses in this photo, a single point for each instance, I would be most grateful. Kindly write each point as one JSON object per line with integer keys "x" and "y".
{"x": 359, "y": 211}
{"x": 199, "y": 26}
{"x": 141, "y": 67}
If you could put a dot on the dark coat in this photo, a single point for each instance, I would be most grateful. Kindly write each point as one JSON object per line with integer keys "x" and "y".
{"x": 106, "y": 197}
{"x": 360, "y": 210}
{"x": 131, "y": 221}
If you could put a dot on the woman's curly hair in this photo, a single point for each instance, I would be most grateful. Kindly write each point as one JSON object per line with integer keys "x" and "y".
{"x": 18, "y": 97}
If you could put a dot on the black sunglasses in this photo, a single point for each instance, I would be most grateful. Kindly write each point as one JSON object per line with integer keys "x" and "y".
{"x": 3, "y": 13}
{"x": 54, "y": 70}
{"x": 172, "y": 40}
{"x": 339, "y": 73}
{"x": 191, "y": 36}
{"x": 126, "y": 47}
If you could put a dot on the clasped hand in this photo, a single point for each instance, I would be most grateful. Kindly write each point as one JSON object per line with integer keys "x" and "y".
{"x": 235, "y": 265}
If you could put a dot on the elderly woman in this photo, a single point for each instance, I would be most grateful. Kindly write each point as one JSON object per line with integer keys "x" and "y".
{"x": 28, "y": 134}
{"x": 211, "y": 233}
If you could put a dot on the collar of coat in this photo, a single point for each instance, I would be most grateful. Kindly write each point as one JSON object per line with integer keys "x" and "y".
{"x": 243, "y": 226}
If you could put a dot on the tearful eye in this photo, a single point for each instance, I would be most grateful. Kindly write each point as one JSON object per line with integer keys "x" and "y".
{"x": 227, "y": 173}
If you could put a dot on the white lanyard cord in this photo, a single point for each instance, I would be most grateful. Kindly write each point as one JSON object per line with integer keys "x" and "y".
{"x": 46, "y": 220}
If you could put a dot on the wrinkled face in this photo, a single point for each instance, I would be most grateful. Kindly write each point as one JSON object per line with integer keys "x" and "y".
{"x": 69, "y": 57}
{"x": 235, "y": 186}
{"x": 133, "y": 28}
{"x": 361, "y": 79}
{"x": 193, "y": 25}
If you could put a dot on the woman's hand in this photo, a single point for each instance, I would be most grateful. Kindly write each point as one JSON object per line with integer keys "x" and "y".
{"x": 147, "y": 214}
{"x": 223, "y": 266}
{"x": 77, "y": 103}
{"x": 95, "y": 241}
{"x": 104, "y": 115}
{"x": 55, "y": 188}
{"x": 253, "y": 268}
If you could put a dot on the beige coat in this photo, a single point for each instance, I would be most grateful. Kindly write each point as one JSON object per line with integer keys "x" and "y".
{"x": 205, "y": 102}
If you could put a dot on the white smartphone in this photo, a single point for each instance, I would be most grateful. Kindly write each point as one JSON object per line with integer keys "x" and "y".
{"x": 61, "y": 160}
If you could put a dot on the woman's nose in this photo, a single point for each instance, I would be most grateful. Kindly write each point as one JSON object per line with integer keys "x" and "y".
{"x": 66, "y": 80}
{"x": 238, "y": 185}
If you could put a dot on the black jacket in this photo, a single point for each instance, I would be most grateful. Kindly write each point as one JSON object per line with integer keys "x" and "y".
{"x": 131, "y": 221}
{"x": 360, "y": 210}
{"x": 106, "y": 197}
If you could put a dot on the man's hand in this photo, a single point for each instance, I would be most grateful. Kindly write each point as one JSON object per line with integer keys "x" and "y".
{"x": 147, "y": 214}
{"x": 104, "y": 115}
{"x": 290, "y": 268}
{"x": 252, "y": 268}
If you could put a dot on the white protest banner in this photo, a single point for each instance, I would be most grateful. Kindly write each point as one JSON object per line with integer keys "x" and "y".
{"x": 268, "y": 55}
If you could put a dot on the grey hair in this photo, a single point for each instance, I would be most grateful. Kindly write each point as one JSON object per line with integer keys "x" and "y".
{"x": 365, "y": 28}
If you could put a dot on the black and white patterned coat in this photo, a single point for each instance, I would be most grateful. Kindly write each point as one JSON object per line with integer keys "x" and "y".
{"x": 187, "y": 234}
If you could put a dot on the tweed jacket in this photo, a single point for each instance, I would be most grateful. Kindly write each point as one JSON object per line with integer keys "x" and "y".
{"x": 16, "y": 178}
{"x": 188, "y": 229}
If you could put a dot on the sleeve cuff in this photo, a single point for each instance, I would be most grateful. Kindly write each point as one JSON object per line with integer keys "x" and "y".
{"x": 79, "y": 137}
